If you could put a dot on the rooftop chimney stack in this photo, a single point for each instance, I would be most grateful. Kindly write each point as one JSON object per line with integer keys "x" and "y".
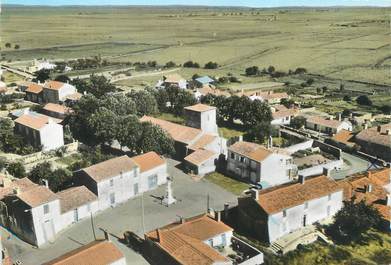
{"x": 254, "y": 194}
{"x": 107, "y": 237}
{"x": 368, "y": 188}
{"x": 388, "y": 200}
{"x": 339, "y": 117}
{"x": 218, "y": 216}
{"x": 326, "y": 171}
{"x": 301, "y": 179}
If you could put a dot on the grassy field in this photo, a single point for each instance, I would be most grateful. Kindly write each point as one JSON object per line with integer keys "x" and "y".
{"x": 347, "y": 43}
{"x": 375, "y": 249}
{"x": 230, "y": 184}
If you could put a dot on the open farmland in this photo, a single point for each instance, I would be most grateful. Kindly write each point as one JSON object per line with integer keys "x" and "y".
{"x": 342, "y": 43}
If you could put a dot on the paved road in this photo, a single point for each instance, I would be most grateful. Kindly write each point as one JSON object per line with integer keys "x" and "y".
{"x": 191, "y": 197}
{"x": 354, "y": 164}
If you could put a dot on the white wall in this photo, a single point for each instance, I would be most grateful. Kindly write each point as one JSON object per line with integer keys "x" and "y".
{"x": 52, "y": 136}
{"x": 66, "y": 90}
{"x": 121, "y": 261}
{"x": 122, "y": 188}
{"x": 274, "y": 169}
{"x": 42, "y": 222}
{"x": 318, "y": 170}
{"x": 217, "y": 240}
{"x": 316, "y": 211}
{"x": 281, "y": 121}
{"x": 300, "y": 146}
{"x": 83, "y": 211}
{"x": 160, "y": 171}
{"x": 208, "y": 121}
{"x": 208, "y": 166}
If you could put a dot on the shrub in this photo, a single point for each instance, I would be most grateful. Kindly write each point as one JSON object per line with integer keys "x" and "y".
{"x": 364, "y": 100}
{"x": 211, "y": 65}
{"x": 253, "y": 70}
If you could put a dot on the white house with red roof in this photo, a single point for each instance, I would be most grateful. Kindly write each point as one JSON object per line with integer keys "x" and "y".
{"x": 55, "y": 91}
{"x": 329, "y": 126}
{"x": 40, "y": 130}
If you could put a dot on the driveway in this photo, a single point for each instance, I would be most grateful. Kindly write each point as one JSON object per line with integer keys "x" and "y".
{"x": 192, "y": 200}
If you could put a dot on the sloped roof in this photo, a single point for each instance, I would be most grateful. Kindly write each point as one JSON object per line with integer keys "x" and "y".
{"x": 35, "y": 121}
{"x": 179, "y": 133}
{"x": 75, "y": 197}
{"x": 253, "y": 151}
{"x": 110, "y": 168}
{"x": 54, "y": 85}
{"x": 203, "y": 141}
{"x": 37, "y": 196}
{"x": 285, "y": 196}
{"x": 22, "y": 184}
{"x": 343, "y": 136}
{"x": 199, "y": 156}
{"x": 372, "y": 135}
{"x": 324, "y": 122}
{"x": 173, "y": 78}
{"x": 184, "y": 241}
{"x": 94, "y": 253}
{"x": 284, "y": 113}
{"x": 148, "y": 161}
{"x": 34, "y": 88}
{"x": 204, "y": 79}
{"x": 52, "y": 107}
{"x": 200, "y": 107}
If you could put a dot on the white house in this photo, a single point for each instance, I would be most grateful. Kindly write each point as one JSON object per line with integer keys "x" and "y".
{"x": 117, "y": 180}
{"x": 200, "y": 137}
{"x": 275, "y": 212}
{"x": 283, "y": 117}
{"x": 97, "y": 252}
{"x": 258, "y": 164}
{"x": 329, "y": 126}
{"x": 172, "y": 80}
{"x": 40, "y": 130}
{"x": 269, "y": 97}
{"x": 55, "y": 91}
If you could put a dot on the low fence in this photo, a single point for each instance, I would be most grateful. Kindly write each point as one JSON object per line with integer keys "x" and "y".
{"x": 328, "y": 149}
{"x": 32, "y": 158}
{"x": 301, "y": 146}
{"x": 251, "y": 255}
{"x": 318, "y": 170}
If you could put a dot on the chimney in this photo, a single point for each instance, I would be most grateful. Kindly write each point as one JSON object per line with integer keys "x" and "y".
{"x": 368, "y": 188}
{"x": 226, "y": 205}
{"x": 301, "y": 179}
{"x": 365, "y": 126}
{"x": 240, "y": 138}
{"x": 254, "y": 194}
{"x": 379, "y": 128}
{"x": 183, "y": 220}
{"x": 326, "y": 171}
{"x": 388, "y": 200}
{"x": 270, "y": 143}
{"x": 339, "y": 117}
{"x": 107, "y": 237}
{"x": 158, "y": 235}
{"x": 388, "y": 132}
{"x": 46, "y": 183}
{"x": 218, "y": 216}
{"x": 16, "y": 190}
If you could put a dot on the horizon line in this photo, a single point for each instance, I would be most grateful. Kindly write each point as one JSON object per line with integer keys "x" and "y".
{"x": 191, "y": 5}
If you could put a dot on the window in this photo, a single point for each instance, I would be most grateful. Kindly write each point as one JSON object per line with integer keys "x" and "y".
{"x": 135, "y": 188}
{"x": 232, "y": 156}
{"x": 111, "y": 182}
{"x": 306, "y": 205}
{"x": 46, "y": 209}
{"x": 329, "y": 197}
{"x": 284, "y": 213}
{"x": 152, "y": 181}
{"x": 242, "y": 159}
{"x": 223, "y": 240}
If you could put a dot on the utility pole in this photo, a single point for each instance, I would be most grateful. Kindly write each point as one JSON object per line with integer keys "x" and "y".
{"x": 92, "y": 226}
{"x": 142, "y": 212}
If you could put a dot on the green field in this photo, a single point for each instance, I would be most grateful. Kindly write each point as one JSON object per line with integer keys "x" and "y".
{"x": 342, "y": 43}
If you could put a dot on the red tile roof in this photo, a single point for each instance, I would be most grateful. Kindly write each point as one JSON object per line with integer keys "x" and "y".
{"x": 54, "y": 85}
{"x": 94, "y": 253}
{"x": 75, "y": 197}
{"x": 274, "y": 200}
{"x": 37, "y": 196}
{"x": 372, "y": 135}
{"x": 36, "y": 121}
{"x": 110, "y": 168}
{"x": 199, "y": 156}
{"x": 57, "y": 108}
{"x": 148, "y": 161}
{"x": 34, "y": 88}
{"x": 253, "y": 151}
{"x": 324, "y": 122}
{"x": 200, "y": 108}
{"x": 184, "y": 241}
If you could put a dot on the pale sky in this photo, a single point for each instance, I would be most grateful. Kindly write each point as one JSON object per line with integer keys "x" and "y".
{"x": 250, "y": 3}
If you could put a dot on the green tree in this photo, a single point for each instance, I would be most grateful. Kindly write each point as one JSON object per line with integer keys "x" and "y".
{"x": 17, "y": 46}
{"x": 364, "y": 100}
{"x": 260, "y": 132}
{"x": 271, "y": 69}
{"x": 8, "y": 45}
{"x": 298, "y": 122}
{"x": 119, "y": 104}
{"x": 40, "y": 171}
{"x": 145, "y": 102}
{"x": 253, "y": 70}
{"x": 99, "y": 86}
{"x": 57, "y": 179}
{"x": 42, "y": 75}
{"x": 170, "y": 64}
{"x": 104, "y": 123}
{"x": 63, "y": 78}
{"x": 129, "y": 132}
{"x": 153, "y": 138}
{"x": 211, "y": 65}
{"x": 353, "y": 220}
{"x": 16, "y": 169}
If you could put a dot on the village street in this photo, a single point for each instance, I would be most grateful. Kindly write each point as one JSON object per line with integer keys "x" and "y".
{"x": 192, "y": 200}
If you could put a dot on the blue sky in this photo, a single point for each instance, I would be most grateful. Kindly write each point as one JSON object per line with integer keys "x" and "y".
{"x": 252, "y": 3}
